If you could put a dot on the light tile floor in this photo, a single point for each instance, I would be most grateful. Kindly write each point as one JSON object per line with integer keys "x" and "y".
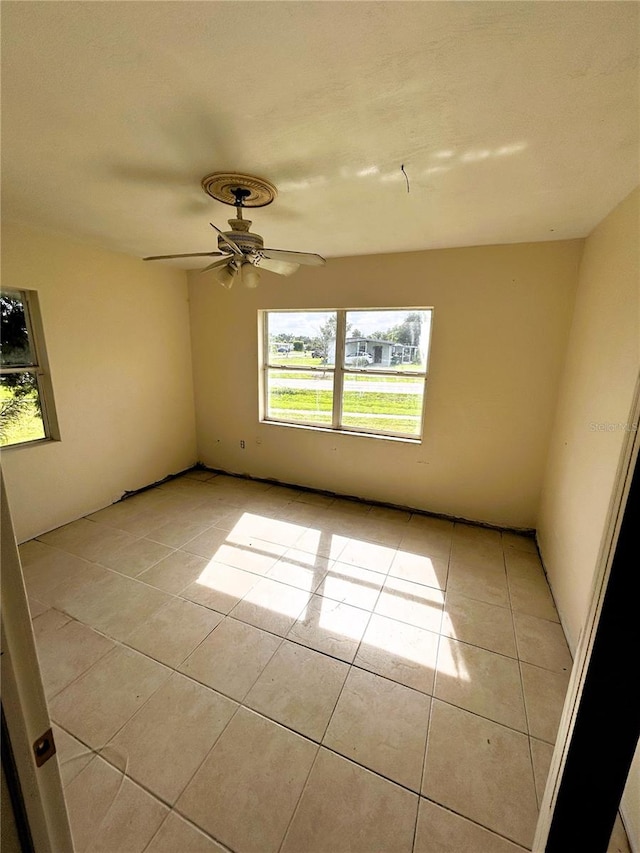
{"x": 236, "y": 666}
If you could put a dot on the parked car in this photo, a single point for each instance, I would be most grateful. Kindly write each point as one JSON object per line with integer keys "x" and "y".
{"x": 362, "y": 359}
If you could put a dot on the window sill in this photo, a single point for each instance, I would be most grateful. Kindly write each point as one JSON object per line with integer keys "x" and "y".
{"x": 343, "y": 431}
{"x": 37, "y": 442}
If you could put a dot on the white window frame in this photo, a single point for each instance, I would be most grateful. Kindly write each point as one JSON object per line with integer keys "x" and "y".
{"x": 40, "y": 367}
{"x": 338, "y": 370}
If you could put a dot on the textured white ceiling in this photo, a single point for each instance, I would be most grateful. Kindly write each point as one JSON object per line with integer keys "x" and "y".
{"x": 514, "y": 121}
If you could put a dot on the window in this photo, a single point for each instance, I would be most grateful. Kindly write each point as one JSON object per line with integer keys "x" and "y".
{"x": 356, "y": 371}
{"x": 26, "y": 398}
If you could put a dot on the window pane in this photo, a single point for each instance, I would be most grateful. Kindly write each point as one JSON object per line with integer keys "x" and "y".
{"x": 397, "y": 340}
{"x": 298, "y": 396}
{"x": 15, "y": 348}
{"x": 383, "y": 403}
{"x": 20, "y": 413}
{"x": 301, "y": 338}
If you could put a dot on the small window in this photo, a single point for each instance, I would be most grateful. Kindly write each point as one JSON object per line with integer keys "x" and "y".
{"x": 26, "y": 398}
{"x": 356, "y": 371}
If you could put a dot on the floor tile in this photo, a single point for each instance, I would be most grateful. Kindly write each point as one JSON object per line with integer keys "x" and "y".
{"x": 442, "y": 831}
{"x": 66, "y": 652}
{"x": 544, "y": 695}
{"x": 299, "y": 688}
{"x": 479, "y": 554}
{"x": 50, "y": 568}
{"x": 481, "y": 770}
{"x": 518, "y": 542}
{"x": 482, "y": 539}
{"x": 72, "y": 755}
{"x": 331, "y": 627}
{"x": 382, "y": 725}
{"x": 367, "y": 555}
{"x": 178, "y": 531}
{"x": 322, "y": 542}
{"x": 175, "y": 572}
{"x": 134, "y": 557}
{"x": 78, "y": 591}
{"x": 220, "y": 587}
{"x": 480, "y": 681}
{"x": 244, "y": 803}
{"x": 480, "y": 582}
{"x": 98, "y": 703}
{"x": 311, "y": 568}
{"x": 542, "y": 643}
{"x": 31, "y": 551}
{"x": 415, "y": 565}
{"x": 272, "y": 606}
{"x": 352, "y": 585}
{"x": 399, "y": 651}
{"x": 36, "y": 607}
{"x": 231, "y": 658}
{"x": 174, "y": 631}
{"x": 208, "y": 543}
{"x": 133, "y": 513}
{"x": 414, "y": 603}
{"x": 479, "y": 623}
{"x": 48, "y": 622}
{"x": 116, "y": 604}
{"x": 345, "y": 807}
{"x": 300, "y": 569}
{"x": 187, "y": 719}
{"x": 541, "y": 754}
{"x": 259, "y": 528}
{"x": 523, "y": 563}
{"x": 463, "y": 556}
{"x": 533, "y": 597}
{"x": 106, "y": 817}
{"x": 430, "y": 535}
{"x": 95, "y": 542}
{"x": 177, "y": 836}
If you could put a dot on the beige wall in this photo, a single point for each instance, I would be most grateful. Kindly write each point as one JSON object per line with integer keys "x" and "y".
{"x": 603, "y": 360}
{"x": 502, "y": 316}
{"x": 117, "y": 335}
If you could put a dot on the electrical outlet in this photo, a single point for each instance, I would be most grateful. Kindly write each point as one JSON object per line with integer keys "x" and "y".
{"x": 242, "y": 444}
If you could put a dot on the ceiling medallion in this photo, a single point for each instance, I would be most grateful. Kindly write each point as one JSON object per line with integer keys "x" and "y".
{"x": 225, "y": 187}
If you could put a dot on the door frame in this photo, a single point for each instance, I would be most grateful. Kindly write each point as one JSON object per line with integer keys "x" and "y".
{"x": 25, "y": 709}
{"x": 600, "y": 723}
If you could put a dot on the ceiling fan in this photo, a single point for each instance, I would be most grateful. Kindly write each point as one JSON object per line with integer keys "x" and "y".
{"x": 241, "y": 253}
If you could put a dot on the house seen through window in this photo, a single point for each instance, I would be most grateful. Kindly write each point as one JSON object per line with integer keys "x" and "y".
{"x": 26, "y": 400}
{"x": 352, "y": 370}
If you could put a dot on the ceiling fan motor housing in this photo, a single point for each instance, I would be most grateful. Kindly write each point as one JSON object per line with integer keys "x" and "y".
{"x": 242, "y": 237}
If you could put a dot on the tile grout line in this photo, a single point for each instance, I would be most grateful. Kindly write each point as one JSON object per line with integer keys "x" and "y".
{"x": 299, "y": 800}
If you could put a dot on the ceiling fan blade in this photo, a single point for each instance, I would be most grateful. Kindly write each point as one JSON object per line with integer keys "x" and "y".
{"x": 188, "y": 255}
{"x": 216, "y": 264}
{"x": 277, "y": 266}
{"x": 306, "y": 258}
{"x": 234, "y": 246}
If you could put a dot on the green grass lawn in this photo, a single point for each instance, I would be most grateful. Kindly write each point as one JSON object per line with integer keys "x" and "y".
{"x": 396, "y": 412}
{"x": 27, "y": 426}
{"x": 379, "y": 403}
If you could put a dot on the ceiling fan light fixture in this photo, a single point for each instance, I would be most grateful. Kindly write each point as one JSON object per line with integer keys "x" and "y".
{"x": 250, "y": 275}
{"x": 226, "y": 276}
